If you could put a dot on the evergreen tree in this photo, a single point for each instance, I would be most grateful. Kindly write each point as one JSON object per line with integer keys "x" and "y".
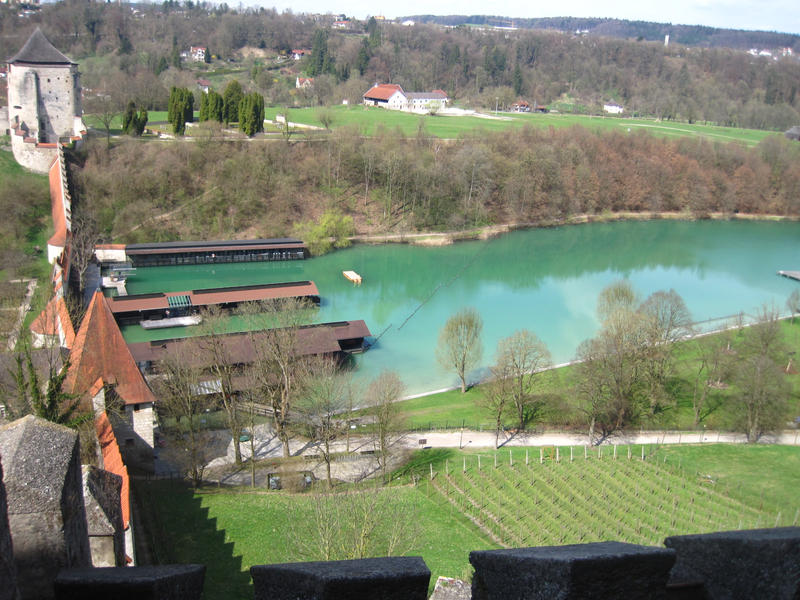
{"x": 203, "y": 114}
{"x": 517, "y": 80}
{"x": 251, "y": 114}
{"x": 321, "y": 60}
{"x": 140, "y": 122}
{"x": 206, "y": 56}
{"x": 231, "y": 97}
{"x": 181, "y": 109}
{"x": 215, "y": 106}
{"x": 161, "y": 65}
{"x": 362, "y": 60}
{"x": 129, "y": 117}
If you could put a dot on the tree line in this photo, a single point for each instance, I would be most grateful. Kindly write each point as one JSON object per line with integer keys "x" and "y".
{"x": 140, "y": 57}
{"x": 218, "y": 188}
{"x": 627, "y": 375}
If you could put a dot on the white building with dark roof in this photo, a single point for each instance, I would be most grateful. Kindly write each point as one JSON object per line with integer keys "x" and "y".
{"x": 44, "y": 102}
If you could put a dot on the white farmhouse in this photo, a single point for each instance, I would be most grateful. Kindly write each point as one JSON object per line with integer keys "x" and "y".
{"x": 613, "y": 108}
{"x": 393, "y": 97}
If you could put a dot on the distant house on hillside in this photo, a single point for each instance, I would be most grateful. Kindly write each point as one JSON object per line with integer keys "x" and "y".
{"x": 393, "y": 97}
{"x": 299, "y": 53}
{"x": 793, "y": 133}
{"x": 197, "y": 53}
{"x": 203, "y": 85}
{"x": 341, "y": 24}
{"x": 613, "y": 108}
{"x": 521, "y": 106}
{"x": 303, "y": 82}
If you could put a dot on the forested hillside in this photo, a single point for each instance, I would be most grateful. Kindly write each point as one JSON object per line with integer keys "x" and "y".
{"x": 686, "y": 34}
{"x": 134, "y": 52}
{"x": 215, "y": 189}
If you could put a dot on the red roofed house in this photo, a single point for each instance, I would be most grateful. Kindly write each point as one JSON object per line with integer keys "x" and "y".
{"x": 101, "y": 364}
{"x": 388, "y": 95}
{"x": 392, "y": 96}
{"x": 304, "y": 82}
{"x": 197, "y": 53}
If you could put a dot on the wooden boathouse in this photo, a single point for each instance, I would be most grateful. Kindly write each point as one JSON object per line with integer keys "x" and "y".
{"x": 331, "y": 339}
{"x": 142, "y": 307}
{"x": 202, "y": 253}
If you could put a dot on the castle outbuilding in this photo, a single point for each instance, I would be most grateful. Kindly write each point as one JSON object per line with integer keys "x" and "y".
{"x": 44, "y": 102}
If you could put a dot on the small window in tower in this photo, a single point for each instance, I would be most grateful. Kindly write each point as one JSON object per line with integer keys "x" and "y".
{"x": 48, "y": 80}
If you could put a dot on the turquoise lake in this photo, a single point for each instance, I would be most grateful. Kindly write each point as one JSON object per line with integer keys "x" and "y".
{"x": 545, "y": 280}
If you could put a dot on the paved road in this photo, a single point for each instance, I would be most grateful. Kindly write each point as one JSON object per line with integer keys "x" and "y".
{"x": 268, "y": 446}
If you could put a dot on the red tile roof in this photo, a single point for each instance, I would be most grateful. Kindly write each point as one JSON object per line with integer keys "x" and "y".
{"x": 382, "y": 91}
{"x": 59, "y": 238}
{"x": 55, "y": 320}
{"x": 101, "y": 352}
{"x": 209, "y": 297}
{"x": 112, "y": 461}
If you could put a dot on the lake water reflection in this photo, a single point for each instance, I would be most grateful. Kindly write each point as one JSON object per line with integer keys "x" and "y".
{"x": 546, "y": 280}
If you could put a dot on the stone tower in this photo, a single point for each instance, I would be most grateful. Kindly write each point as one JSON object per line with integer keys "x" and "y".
{"x": 44, "y": 102}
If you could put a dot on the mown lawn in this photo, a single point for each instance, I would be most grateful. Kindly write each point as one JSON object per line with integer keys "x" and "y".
{"x": 370, "y": 120}
{"x": 761, "y": 475}
{"x": 229, "y": 531}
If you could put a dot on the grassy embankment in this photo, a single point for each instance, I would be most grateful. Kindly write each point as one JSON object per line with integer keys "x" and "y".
{"x": 31, "y": 244}
{"x": 370, "y": 120}
{"x": 466, "y": 508}
{"x": 452, "y": 409}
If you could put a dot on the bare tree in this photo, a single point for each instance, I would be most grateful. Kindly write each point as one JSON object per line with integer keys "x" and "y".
{"x": 667, "y": 320}
{"x": 762, "y": 398}
{"x": 106, "y": 107}
{"x": 211, "y": 344}
{"x": 763, "y": 388}
{"x": 713, "y": 364}
{"x": 182, "y": 395}
{"x": 522, "y": 357}
{"x": 612, "y": 384}
{"x": 793, "y": 303}
{"x": 277, "y": 362}
{"x": 85, "y": 236}
{"x": 494, "y": 400}
{"x": 459, "y": 346}
{"x": 383, "y": 394}
{"x": 371, "y": 521}
{"x": 323, "y": 399}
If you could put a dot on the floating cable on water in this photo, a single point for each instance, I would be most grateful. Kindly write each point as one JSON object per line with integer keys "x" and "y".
{"x": 458, "y": 274}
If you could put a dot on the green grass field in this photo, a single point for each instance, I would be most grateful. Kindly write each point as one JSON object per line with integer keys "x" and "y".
{"x": 469, "y": 506}
{"x": 369, "y": 120}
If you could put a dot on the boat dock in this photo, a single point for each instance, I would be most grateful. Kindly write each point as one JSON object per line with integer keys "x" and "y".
{"x": 203, "y": 253}
{"x": 790, "y": 274}
{"x": 142, "y": 307}
{"x": 352, "y": 276}
{"x": 323, "y": 339}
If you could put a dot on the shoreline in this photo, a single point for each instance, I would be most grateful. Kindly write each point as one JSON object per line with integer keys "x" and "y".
{"x": 486, "y": 232}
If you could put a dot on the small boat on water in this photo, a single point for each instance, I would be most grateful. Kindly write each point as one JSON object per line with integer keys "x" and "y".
{"x": 171, "y": 322}
{"x": 352, "y": 276}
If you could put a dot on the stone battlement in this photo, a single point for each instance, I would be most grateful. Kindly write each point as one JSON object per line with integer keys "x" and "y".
{"x": 46, "y": 523}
